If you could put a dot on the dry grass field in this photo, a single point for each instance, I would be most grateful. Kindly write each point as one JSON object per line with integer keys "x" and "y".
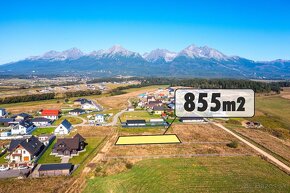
{"x": 195, "y": 138}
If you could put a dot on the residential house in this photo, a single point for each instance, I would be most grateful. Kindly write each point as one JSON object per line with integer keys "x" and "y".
{"x": 24, "y": 150}
{"x": 151, "y": 104}
{"x": 158, "y": 110}
{"x": 3, "y": 112}
{"x": 22, "y": 128}
{"x": 151, "y": 99}
{"x": 77, "y": 112}
{"x": 90, "y": 105}
{"x": 135, "y": 123}
{"x": 6, "y": 122}
{"x": 21, "y": 117}
{"x": 131, "y": 108}
{"x": 100, "y": 118}
{"x": 80, "y": 101}
{"x": 64, "y": 128}
{"x": 46, "y": 139}
{"x": 61, "y": 169}
{"x": 50, "y": 114}
{"x": 69, "y": 146}
{"x": 191, "y": 119}
{"x": 41, "y": 121}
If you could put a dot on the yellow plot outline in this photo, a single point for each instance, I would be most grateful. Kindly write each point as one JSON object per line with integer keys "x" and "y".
{"x": 147, "y": 139}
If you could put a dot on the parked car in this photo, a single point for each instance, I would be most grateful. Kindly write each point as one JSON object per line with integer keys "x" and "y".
{"x": 3, "y": 168}
{"x": 22, "y": 167}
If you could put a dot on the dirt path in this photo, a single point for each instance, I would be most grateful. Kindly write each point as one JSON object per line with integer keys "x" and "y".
{"x": 260, "y": 151}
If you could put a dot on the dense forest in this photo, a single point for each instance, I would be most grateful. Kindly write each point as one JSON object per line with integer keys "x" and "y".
{"x": 259, "y": 87}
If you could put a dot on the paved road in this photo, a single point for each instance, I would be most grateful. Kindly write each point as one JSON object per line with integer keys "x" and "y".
{"x": 116, "y": 116}
{"x": 260, "y": 151}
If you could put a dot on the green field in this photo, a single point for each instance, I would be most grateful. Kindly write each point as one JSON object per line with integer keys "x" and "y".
{"x": 2, "y": 159}
{"x": 72, "y": 120}
{"x": 46, "y": 158}
{"x": 45, "y": 130}
{"x": 200, "y": 174}
{"x": 93, "y": 143}
{"x": 138, "y": 115}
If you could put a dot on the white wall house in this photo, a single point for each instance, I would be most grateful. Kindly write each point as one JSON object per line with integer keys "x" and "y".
{"x": 64, "y": 128}
{"x": 22, "y": 128}
{"x": 2, "y": 112}
{"x": 100, "y": 118}
{"x": 41, "y": 122}
{"x": 90, "y": 105}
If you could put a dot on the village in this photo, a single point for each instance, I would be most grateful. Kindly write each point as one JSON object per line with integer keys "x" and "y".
{"x": 50, "y": 132}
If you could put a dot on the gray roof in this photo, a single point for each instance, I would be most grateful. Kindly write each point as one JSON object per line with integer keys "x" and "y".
{"x": 40, "y": 119}
{"x": 66, "y": 124}
{"x": 32, "y": 145}
{"x": 62, "y": 166}
{"x": 6, "y": 120}
{"x": 136, "y": 121}
{"x": 24, "y": 115}
{"x": 25, "y": 123}
{"x": 158, "y": 108}
{"x": 78, "y": 110}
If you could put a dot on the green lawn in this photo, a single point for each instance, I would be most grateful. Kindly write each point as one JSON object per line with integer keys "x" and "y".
{"x": 140, "y": 130}
{"x": 46, "y": 158}
{"x": 200, "y": 174}
{"x": 2, "y": 160}
{"x": 93, "y": 143}
{"x": 138, "y": 115}
{"x": 45, "y": 130}
{"x": 72, "y": 120}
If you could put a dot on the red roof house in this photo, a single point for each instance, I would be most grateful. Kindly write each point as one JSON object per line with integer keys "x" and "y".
{"x": 50, "y": 114}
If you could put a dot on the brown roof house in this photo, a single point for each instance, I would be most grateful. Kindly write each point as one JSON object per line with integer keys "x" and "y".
{"x": 69, "y": 146}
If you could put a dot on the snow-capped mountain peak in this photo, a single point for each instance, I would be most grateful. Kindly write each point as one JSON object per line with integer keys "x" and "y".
{"x": 157, "y": 54}
{"x": 193, "y": 51}
{"x": 72, "y": 53}
{"x": 118, "y": 50}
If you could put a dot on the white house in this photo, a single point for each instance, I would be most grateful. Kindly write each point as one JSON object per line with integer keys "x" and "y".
{"x": 41, "y": 121}
{"x": 100, "y": 118}
{"x": 22, "y": 128}
{"x": 64, "y": 128}
{"x": 50, "y": 114}
{"x": 24, "y": 150}
{"x": 90, "y": 105}
{"x": 3, "y": 112}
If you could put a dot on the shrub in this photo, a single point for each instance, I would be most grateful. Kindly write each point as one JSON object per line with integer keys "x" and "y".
{"x": 233, "y": 144}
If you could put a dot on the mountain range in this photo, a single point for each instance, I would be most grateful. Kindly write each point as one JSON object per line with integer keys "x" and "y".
{"x": 193, "y": 61}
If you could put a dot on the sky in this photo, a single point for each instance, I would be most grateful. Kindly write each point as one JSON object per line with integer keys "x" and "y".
{"x": 254, "y": 29}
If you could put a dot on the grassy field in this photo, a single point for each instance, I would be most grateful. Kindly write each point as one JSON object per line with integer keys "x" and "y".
{"x": 2, "y": 160}
{"x": 93, "y": 143}
{"x": 276, "y": 108}
{"x": 72, "y": 120}
{"x": 45, "y": 130}
{"x": 46, "y": 158}
{"x": 201, "y": 174}
{"x": 138, "y": 115}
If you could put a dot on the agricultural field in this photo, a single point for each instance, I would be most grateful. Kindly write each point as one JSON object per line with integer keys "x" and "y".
{"x": 195, "y": 138}
{"x": 199, "y": 174}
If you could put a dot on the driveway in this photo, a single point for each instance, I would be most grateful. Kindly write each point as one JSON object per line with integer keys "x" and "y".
{"x": 64, "y": 159}
{"x": 13, "y": 173}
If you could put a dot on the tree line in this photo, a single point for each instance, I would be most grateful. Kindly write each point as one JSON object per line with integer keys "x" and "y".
{"x": 47, "y": 96}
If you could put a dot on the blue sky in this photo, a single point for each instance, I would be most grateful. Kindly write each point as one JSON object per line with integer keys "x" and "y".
{"x": 258, "y": 30}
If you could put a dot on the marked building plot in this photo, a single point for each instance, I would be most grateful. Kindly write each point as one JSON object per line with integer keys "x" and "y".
{"x": 148, "y": 139}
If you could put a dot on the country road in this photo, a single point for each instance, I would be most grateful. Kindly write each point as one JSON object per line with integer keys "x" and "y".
{"x": 260, "y": 151}
{"x": 116, "y": 116}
